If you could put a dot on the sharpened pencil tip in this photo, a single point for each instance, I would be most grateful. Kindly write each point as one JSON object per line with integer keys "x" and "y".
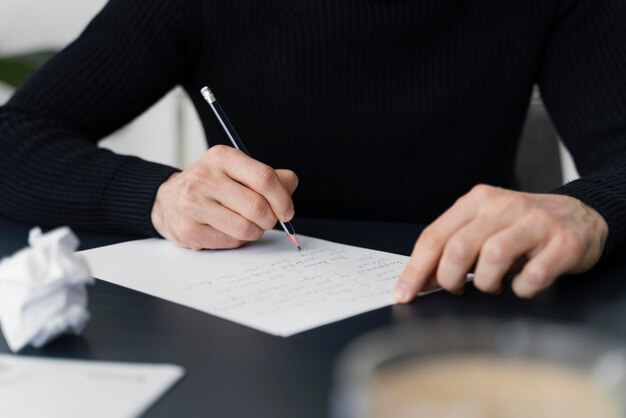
{"x": 294, "y": 241}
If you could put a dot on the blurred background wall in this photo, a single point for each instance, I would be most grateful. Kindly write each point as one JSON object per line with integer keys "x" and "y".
{"x": 170, "y": 132}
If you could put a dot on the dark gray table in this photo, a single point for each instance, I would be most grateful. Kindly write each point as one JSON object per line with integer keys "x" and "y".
{"x": 235, "y": 371}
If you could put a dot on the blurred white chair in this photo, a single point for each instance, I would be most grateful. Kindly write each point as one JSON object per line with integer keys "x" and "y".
{"x": 542, "y": 161}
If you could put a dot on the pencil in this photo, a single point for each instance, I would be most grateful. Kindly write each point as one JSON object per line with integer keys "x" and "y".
{"x": 236, "y": 141}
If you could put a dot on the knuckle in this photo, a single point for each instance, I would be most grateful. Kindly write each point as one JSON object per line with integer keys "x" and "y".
{"x": 219, "y": 152}
{"x": 430, "y": 239}
{"x": 188, "y": 235}
{"x": 573, "y": 245}
{"x": 245, "y": 230}
{"x": 268, "y": 222}
{"x": 266, "y": 176}
{"x": 214, "y": 187}
{"x": 184, "y": 232}
{"x": 257, "y": 206}
{"x": 571, "y": 238}
{"x": 463, "y": 200}
{"x": 187, "y": 202}
{"x": 542, "y": 216}
{"x": 194, "y": 178}
{"x": 494, "y": 252}
{"x": 458, "y": 249}
{"x": 513, "y": 201}
{"x": 482, "y": 192}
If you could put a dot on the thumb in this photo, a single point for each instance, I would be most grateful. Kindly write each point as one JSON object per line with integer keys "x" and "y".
{"x": 289, "y": 179}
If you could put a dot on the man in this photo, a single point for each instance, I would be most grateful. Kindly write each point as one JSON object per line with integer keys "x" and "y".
{"x": 391, "y": 110}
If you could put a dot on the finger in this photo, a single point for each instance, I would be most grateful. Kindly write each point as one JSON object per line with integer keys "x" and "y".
{"x": 541, "y": 270}
{"x": 501, "y": 251}
{"x": 289, "y": 179}
{"x": 198, "y": 236}
{"x": 227, "y": 221}
{"x": 262, "y": 179}
{"x": 245, "y": 202}
{"x": 429, "y": 246}
{"x": 463, "y": 248}
{"x": 430, "y": 285}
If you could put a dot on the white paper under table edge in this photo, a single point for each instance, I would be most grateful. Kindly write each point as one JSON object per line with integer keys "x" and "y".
{"x": 178, "y": 372}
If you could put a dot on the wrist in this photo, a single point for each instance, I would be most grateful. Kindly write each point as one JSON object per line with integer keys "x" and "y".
{"x": 156, "y": 215}
{"x": 600, "y": 225}
{"x": 596, "y": 230}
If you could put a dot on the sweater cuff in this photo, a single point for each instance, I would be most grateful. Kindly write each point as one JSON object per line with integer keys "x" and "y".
{"x": 606, "y": 201}
{"x": 126, "y": 203}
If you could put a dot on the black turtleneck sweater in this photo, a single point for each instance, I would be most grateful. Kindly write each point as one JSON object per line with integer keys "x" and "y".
{"x": 386, "y": 109}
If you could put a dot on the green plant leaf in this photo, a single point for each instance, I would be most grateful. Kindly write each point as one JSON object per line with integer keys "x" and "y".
{"x": 15, "y": 69}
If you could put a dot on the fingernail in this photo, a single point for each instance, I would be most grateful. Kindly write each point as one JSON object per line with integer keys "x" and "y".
{"x": 290, "y": 214}
{"x": 400, "y": 292}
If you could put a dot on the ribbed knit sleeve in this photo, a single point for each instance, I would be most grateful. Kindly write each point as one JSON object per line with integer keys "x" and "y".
{"x": 128, "y": 57}
{"x": 583, "y": 82}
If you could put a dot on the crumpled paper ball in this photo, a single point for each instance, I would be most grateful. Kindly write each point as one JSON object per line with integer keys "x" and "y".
{"x": 42, "y": 290}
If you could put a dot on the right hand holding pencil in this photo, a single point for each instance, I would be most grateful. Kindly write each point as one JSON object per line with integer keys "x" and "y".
{"x": 223, "y": 200}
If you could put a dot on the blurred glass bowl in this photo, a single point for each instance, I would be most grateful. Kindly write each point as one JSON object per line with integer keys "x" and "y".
{"x": 481, "y": 369}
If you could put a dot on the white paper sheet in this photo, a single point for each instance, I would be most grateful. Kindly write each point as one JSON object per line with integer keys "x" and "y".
{"x": 53, "y": 388}
{"x": 266, "y": 285}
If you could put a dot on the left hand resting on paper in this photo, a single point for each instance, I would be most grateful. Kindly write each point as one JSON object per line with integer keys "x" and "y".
{"x": 491, "y": 230}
